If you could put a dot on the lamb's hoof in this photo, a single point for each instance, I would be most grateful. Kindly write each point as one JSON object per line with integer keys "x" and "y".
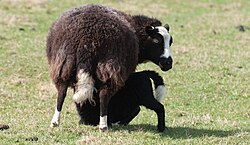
{"x": 104, "y": 129}
{"x": 82, "y": 122}
{"x": 161, "y": 129}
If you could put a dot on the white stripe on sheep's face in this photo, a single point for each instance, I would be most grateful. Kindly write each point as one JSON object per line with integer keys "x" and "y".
{"x": 158, "y": 46}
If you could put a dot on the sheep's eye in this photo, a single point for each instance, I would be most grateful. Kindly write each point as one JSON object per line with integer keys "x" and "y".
{"x": 155, "y": 40}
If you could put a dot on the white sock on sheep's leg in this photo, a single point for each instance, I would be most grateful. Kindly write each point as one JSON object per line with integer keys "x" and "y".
{"x": 56, "y": 119}
{"x": 103, "y": 124}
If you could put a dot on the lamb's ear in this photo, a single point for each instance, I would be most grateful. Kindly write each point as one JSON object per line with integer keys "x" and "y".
{"x": 149, "y": 29}
{"x": 166, "y": 26}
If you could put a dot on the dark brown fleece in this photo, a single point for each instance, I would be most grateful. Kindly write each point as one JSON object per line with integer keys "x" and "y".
{"x": 100, "y": 40}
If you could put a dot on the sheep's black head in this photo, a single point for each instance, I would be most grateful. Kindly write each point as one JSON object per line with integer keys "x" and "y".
{"x": 157, "y": 46}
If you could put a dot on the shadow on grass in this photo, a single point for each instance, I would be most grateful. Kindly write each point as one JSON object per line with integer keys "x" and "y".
{"x": 178, "y": 132}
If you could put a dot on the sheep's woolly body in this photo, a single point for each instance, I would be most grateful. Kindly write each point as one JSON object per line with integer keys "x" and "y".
{"x": 89, "y": 38}
{"x": 87, "y": 45}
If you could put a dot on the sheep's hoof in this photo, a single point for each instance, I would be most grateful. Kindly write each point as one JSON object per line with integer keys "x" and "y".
{"x": 54, "y": 124}
{"x": 104, "y": 129}
{"x": 55, "y": 120}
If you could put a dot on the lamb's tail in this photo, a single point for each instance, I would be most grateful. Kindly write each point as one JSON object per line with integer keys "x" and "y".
{"x": 160, "y": 90}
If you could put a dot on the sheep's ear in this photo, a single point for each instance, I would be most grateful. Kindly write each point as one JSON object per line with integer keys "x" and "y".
{"x": 149, "y": 29}
{"x": 166, "y": 26}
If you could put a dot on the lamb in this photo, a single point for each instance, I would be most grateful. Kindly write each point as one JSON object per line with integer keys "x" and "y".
{"x": 125, "y": 104}
{"x": 94, "y": 45}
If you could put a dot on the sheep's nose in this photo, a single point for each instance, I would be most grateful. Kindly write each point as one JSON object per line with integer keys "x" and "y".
{"x": 166, "y": 63}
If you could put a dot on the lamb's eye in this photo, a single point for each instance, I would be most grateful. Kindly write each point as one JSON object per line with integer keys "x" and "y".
{"x": 155, "y": 40}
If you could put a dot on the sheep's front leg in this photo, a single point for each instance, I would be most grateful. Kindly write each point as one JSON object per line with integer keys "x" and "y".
{"x": 104, "y": 100}
{"x": 62, "y": 91}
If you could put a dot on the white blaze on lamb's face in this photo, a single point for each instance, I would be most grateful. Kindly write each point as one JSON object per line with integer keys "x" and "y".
{"x": 166, "y": 37}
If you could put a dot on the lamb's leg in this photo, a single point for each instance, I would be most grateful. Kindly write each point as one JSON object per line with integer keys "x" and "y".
{"x": 130, "y": 117}
{"x": 62, "y": 91}
{"x": 153, "y": 104}
{"x": 104, "y": 100}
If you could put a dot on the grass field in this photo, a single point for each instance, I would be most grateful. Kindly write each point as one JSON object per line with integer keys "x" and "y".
{"x": 208, "y": 91}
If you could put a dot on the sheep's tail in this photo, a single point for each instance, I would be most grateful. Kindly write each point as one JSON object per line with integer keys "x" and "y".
{"x": 56, "y": 66}
{"x": 160, "y": 90}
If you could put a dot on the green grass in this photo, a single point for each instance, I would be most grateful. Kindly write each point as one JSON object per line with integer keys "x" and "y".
{"x": 208, "y": 100}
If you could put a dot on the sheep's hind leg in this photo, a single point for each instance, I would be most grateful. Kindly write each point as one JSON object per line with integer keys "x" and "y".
{"x": 62, "y": 90}
{"x": 104, "y": 100}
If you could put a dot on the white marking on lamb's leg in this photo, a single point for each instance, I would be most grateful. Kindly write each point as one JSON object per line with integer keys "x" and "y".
{"x": 56, "y": 119}
{"x": 103, "y": 124}
{"x": 160, "y": 93}
{"x": 84, "y": 88}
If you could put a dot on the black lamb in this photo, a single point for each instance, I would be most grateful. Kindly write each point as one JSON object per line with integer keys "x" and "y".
{"x": 125, "y": 104}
